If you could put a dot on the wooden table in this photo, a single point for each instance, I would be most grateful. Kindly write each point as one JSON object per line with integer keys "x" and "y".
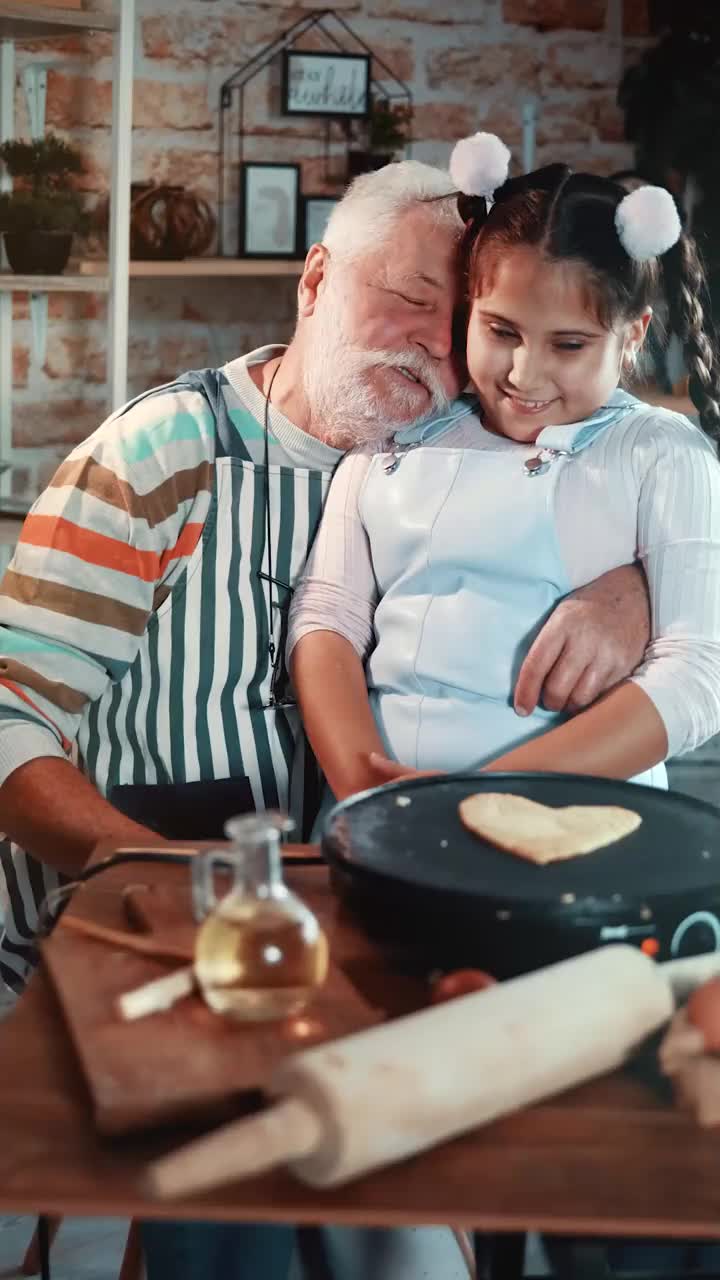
{"x": 611, "y": 1158}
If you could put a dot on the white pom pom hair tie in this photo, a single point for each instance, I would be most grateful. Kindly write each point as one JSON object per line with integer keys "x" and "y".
{"x": 646, "y": 220}
{"x": 648, "y": 223}
{"x": 479, "y": 164}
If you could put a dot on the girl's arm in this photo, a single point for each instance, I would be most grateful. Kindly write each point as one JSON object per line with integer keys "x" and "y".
{"x": 618, "y": 737}
{"x": 329, "y": 680}
{"x": 330, "y": 634}
{"x": 672, "y": 703}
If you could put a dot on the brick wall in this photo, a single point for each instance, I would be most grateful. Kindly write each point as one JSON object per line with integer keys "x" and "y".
{"x": 469, "y": 62}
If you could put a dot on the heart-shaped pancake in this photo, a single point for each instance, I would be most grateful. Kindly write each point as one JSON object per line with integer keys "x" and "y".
{"x": 541, "y": 834}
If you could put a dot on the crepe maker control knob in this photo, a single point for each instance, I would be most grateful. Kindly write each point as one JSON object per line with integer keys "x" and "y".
{"x": 696, "y": 934}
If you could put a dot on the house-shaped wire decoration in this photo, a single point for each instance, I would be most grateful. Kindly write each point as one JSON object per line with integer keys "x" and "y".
{"x": 329, "y": 32}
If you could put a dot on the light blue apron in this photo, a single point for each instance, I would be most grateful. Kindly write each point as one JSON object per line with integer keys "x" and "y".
{"x": 470, "y": 573}
{"x": 468, "y": 568}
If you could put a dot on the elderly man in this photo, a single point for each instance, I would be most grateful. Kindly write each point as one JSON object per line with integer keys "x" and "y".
{"x": 142, "y": 614}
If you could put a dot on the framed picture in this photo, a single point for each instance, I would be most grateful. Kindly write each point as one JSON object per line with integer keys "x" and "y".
{"x": 326, "y": 84}
{"x": 316, "y": 211}
{"x": 269, "y": 205}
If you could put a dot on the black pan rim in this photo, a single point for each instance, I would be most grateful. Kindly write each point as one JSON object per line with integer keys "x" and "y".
{"x": 528, "y": 775}
{"x": 591, "y": 905}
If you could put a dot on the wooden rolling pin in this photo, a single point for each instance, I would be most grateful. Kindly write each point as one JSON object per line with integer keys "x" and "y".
{"x": 378, "y": 1096}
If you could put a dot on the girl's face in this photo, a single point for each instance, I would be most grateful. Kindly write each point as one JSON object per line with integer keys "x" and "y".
{"x": 537, "y": 354}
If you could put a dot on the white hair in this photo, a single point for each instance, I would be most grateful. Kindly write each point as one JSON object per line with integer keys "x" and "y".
{"x": 367, "y": 214}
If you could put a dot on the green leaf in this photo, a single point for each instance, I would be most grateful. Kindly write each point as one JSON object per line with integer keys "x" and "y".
{"x": 58, "y": 211}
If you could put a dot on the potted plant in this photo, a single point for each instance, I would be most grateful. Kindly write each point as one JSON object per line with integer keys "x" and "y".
{"x": 384, "y": 133}
{"x": 40, "y": 216}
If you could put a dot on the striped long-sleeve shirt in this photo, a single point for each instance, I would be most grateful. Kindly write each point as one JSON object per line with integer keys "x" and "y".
{"x": 133, "y": 618}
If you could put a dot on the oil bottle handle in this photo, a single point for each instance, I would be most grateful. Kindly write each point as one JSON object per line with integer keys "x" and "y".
{"x": 202, "y": 868}
{"x": 248, "y": 835}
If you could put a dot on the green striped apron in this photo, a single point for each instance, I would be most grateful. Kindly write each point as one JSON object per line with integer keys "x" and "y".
{"x": 194, "y": 704}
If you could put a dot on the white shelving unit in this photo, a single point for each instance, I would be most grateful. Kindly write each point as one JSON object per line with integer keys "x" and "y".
{"x": 69, "y": 282}
{"x": 218, "y": 268}
{"x": 20, "y": 21}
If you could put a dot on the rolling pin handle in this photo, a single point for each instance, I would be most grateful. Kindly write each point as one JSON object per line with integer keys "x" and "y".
{"x": 690, "y": 972}
{"x": 287, "y": 1131}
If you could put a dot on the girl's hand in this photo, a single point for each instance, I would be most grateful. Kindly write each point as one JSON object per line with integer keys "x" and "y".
{"x": 386, "y": 770}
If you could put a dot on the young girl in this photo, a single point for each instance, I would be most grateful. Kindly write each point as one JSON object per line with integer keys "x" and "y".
{"x": 438, "y": 560}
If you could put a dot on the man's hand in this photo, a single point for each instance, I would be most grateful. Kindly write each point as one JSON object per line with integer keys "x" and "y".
{"x": 594, "y": 639}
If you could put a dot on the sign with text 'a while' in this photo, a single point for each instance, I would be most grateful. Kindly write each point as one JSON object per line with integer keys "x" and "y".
{"x": 326, "y": 84}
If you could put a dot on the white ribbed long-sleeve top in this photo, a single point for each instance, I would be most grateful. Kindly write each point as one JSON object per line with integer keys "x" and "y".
{"x": 647, "y": 489}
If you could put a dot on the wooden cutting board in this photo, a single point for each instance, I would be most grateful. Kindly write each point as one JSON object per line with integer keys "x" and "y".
{"x": 186, "y": 1062}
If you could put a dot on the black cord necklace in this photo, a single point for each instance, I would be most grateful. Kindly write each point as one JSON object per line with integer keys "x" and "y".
{"x": 279, "y": 681}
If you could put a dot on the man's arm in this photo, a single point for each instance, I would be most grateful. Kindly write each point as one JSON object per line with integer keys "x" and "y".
{"x": 596, "y": 637}
{"x": 117, "y": 521}
{"x": 50, "y": 809}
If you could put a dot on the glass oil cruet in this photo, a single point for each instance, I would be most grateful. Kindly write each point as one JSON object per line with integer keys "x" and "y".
{"x": 259, "y": 951}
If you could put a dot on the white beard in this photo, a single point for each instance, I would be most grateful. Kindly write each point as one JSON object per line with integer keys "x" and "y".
{"x": 346, "y": 408}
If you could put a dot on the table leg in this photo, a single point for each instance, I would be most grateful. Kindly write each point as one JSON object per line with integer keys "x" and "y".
{"x": 314, "y": 1262}
{"x": 499, "y": 1257}
{"x": 43, "y": 1235}
{"x": 573, "y": 1258}
{"x": 39, "y": 1248}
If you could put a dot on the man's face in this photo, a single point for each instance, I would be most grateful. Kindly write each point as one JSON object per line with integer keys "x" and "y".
{"x": 382, "y": 354}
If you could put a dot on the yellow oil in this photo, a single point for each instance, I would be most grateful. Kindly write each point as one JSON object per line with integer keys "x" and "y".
{"x": 256, "y": 960}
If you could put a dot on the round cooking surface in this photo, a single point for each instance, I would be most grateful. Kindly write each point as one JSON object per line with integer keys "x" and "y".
{"x": 411, "y": 833}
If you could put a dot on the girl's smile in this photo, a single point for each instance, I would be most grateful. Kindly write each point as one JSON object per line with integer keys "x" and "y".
{"x": 536, "y": 351}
